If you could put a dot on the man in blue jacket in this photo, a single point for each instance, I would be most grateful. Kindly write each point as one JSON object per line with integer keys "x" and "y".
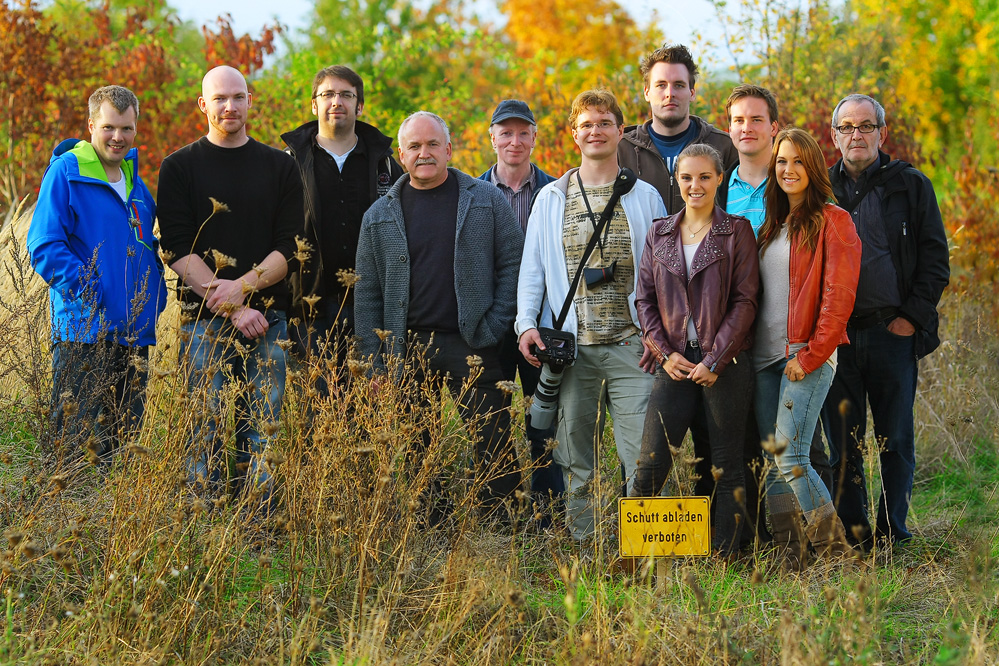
{"x": 91, "y": 239}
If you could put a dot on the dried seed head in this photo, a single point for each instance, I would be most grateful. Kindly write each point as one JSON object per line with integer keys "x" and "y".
{"x": 218, "y": 206}
{"x": 858, "y": 532}
{"x": 358, "y": 369}
{"x": 756, "y": 578}
{"x": 740, "y": 495}
{"x": 717, "y": 473}
{"x": 382, "y": 334}
{"x": 347, "y": 277}
{"x": 514, "y": 597}
{"x": 474, "y": 361}
{"x": 222, "y": 260}
{"x": 844, "y": 407}
{"x": 507, "y": 386}
{"x": 797, "y": 471}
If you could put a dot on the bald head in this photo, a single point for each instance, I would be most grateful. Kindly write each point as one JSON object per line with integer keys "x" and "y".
{"x": 225, "y": 101}
{"x": 223, "y": 75}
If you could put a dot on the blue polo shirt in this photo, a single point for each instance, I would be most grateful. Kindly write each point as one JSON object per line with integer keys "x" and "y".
{"x": 746, "y": 200}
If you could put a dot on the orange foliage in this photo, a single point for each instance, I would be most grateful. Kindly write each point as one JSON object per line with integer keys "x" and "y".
{"x": 50, "y": 62}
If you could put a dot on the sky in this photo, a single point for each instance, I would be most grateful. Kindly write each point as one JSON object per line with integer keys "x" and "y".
{"x": 251, "y": 15}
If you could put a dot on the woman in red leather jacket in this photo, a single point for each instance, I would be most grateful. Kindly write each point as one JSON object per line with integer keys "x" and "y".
{"x": 696, "y": 302}
{"x": 809, "y": 265}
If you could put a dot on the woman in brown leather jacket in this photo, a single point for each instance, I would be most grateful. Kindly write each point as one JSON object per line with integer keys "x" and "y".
{"x": 809, "y": 265}
{"x": 696, "y": 301}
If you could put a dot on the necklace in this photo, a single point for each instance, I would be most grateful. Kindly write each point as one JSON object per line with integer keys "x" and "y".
{"x": 698, "y": 230}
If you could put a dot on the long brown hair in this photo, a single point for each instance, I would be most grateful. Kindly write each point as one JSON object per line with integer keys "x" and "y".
{"x": 806, "y": 220}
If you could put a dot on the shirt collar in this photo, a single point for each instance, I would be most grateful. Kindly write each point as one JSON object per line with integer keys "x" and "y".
{"x": 736, "y": 179}
{"x": 530, "y": 183}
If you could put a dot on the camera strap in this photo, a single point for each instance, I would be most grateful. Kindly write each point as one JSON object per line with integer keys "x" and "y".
{"x": 622, "y": 185}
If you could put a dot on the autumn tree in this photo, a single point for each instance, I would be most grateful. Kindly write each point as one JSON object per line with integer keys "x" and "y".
{"x": 51, "y": 60}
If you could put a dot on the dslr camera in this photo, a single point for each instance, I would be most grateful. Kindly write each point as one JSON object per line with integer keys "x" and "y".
{"x": 558, "y": 354}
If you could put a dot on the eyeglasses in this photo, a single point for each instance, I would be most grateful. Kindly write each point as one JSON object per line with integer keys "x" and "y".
{"x": 332, "y": 94}
{"x": 602, "y": 125}
{"x": 866, "y": 128}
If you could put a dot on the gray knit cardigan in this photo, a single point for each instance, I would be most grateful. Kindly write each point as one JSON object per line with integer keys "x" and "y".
{"x": 488, "y": 247}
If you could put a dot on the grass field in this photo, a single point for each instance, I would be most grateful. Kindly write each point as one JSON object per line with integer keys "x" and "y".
{"x": 125, "y": 566}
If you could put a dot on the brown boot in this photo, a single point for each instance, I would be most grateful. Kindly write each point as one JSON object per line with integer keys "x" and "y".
{"x": 788, "y": 531}
{"x": 825, "y": 531}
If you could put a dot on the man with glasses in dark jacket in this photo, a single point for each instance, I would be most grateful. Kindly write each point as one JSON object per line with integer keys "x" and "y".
{"x": 903, "y": 271}
{"x": 346, "y": 164}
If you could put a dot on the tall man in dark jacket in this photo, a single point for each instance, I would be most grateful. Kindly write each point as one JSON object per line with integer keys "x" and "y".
{"x": 438, "y": 256}
{"x": 345, "y": 165}
{"x": 904, "y": 269}
{"x": 651, "y": 149}
{"x": 513, "y": 132}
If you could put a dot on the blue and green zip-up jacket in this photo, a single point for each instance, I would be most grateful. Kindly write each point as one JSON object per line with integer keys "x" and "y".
{"x": 97, "y": 252}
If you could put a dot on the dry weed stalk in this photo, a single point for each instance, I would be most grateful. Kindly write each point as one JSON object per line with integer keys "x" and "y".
{"x": 124, "y": 565}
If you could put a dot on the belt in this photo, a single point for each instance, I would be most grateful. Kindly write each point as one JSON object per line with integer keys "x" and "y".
{"x": 873, "y": 319}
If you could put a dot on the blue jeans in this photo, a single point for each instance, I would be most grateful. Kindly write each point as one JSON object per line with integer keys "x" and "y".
{"x": 208, "y": 346}
{"x": 790, "y": 411}
{"x": 879, "y": 368}
{"x": 107, "y": 381}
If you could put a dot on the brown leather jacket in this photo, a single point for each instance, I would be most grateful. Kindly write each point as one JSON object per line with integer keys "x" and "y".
{"x": 720, "y": 293}
{"x": 823, "y": 289}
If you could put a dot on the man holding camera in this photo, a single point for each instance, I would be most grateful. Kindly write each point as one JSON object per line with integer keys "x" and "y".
{"x": 597, "y": 216}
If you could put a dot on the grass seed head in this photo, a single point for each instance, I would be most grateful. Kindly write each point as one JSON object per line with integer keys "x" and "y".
{"x": 222, "y": 260}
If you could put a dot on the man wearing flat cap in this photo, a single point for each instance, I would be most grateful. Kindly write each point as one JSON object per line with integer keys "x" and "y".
{"x": 513, "y": 132}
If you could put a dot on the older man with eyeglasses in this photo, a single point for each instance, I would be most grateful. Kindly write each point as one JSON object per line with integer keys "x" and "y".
{"x": 903, "y": 272}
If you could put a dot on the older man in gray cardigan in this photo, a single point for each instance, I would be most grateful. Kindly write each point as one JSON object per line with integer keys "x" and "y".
{"x": 438, "y": 259}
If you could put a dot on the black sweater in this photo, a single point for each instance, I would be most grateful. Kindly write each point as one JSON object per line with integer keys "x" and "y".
{"x": 262, "y": 190}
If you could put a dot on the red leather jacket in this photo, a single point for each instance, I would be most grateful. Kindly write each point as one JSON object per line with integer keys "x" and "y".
{"x": 823, "y": 289}
{"x": 720, "y": 293}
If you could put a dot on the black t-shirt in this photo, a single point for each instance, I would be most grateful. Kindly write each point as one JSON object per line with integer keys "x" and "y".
{"x": 260, "y": 190}
{"x": 431, "y": 224}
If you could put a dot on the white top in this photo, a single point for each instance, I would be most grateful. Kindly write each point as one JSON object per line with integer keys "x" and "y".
{"x": 120, "y": 186}
{"x": 772, "y": 343}
{"x": 340, "y": 159}
{"x": 688, "y": 257}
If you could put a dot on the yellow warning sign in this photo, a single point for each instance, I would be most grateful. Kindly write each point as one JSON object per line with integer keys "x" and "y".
{"x": 664, "y": 526}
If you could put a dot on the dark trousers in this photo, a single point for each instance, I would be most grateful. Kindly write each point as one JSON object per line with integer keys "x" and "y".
{"x": 879, "y": 368}
{"x": 98, "y": 389}
{"x": 546, "y": 477}
{"x": 484, "y": 405}
{"x": 323, "y": 334}
{"x": 673, "y": 407}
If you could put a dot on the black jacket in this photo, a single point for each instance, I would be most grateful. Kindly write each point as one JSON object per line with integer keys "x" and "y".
{"x": 383, "y": 172}
{"x": 917, "y": 240}
{"x": 637, "y": 152}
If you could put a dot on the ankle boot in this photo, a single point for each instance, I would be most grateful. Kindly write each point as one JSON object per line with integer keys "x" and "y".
{"x": 788, "y": 532}
{"x": 825, "y": 531}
